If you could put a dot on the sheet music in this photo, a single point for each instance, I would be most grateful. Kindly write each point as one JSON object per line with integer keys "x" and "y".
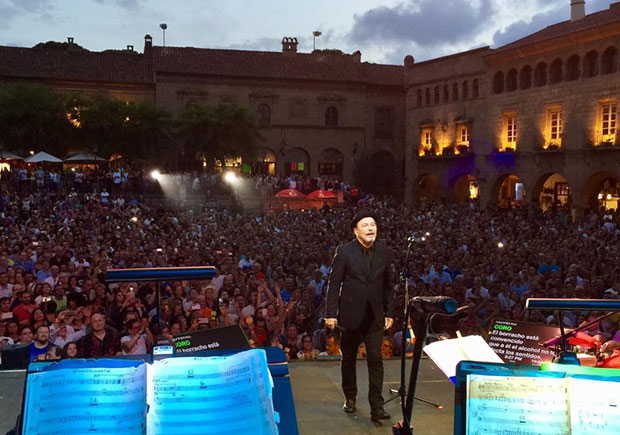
{"x": 446, "y": 354}
{"x": 86, "y": 400}
{"x": 594, "y": 406}
{"x": 192, "y": 395}
{"x": 500, "y": 405}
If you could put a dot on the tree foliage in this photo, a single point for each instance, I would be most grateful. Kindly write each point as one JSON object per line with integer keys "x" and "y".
{"x": 218, "y": 132}
{"x": 107, "y": 126}
{"x": 33, "y": 117}
{"x": 54, "y": 45}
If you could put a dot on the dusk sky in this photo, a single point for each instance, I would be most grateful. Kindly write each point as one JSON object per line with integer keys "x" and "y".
{"x": 385, "y": 31}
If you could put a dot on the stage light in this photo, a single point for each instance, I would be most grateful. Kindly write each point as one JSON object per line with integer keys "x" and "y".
{"x": 230, "y": 177}
{"x": 423, "y": 238}
{"x": 427, "y": 234}
{"x": 155, "y": 174}
{"x": 500, "y": 245}
{"x": 134, "y": 218}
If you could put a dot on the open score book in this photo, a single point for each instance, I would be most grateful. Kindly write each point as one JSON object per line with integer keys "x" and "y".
{"x": 554, "y": 405}
{"x": 182, "y": 395}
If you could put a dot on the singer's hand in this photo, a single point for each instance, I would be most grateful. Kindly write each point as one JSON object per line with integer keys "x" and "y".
{"x": 388, "y": 322}
{"x": 331, "y": 323}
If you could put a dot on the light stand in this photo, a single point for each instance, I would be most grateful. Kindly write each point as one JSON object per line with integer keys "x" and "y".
{"x": 163, "y": 27}
{"x": 315, "y": 34}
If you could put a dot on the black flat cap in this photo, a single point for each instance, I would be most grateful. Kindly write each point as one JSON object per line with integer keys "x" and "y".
{"x": 361, "y": 215}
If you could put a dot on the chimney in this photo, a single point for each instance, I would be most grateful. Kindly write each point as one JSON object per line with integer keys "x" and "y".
{"x": 130, "y": 48}
{"x": 70, "y": 39}
{"x": 148, "y": 45}
{"x": 577, "y": 9}
{"x": 357, "y": 56}
{"x": 289, "y": 45}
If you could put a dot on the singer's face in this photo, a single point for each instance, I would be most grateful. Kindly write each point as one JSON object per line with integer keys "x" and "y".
{"x": 366, "y": 230}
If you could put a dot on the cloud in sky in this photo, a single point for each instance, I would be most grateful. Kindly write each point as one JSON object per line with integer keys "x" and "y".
{"x": 38, "y": 9}
{"x": 557, "y": 11}
{"x": 421, "y": 22}
{"x": 383, "y": 30}
{"x": 127, "y": 4}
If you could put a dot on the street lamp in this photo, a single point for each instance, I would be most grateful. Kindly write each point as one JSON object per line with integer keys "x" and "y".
{"x": 316, "y": 34}
{"x": 163, "y": 27}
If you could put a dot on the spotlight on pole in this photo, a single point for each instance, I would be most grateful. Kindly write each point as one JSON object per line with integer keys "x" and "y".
{"x": 155, "y": 174}
{"x": 163, "y": 27}
{"x": 316, "y": 34}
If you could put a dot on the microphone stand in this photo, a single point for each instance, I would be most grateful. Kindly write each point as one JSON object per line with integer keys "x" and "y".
{"x": 420, "y": 330}
{"x": 420, "y": 337}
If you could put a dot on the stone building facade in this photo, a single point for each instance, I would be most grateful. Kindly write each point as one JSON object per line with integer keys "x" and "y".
{"x": 535, "y": 120}
{"x": 320, "y": 112}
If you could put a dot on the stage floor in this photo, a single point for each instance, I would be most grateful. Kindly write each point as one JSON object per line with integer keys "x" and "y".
{"x": 318, "y": 399}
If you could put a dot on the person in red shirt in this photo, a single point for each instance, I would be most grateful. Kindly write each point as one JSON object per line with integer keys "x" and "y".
{"x": 25, "y": 309}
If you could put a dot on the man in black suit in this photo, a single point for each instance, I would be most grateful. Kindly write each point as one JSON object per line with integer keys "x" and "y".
{"x": 359, "y": 300}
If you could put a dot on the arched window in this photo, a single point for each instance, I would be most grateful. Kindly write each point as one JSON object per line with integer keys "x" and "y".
{"x": 446, "y": 95}
{"x": 455, "y": 92}
{"x": 590, "y": 64}
{"x": 436, "y": 95}
{"x": 609, "y": 61}
{"x": 525, "y": 78}
{"x": 263, "y": 112}
{"x": 475, "y": 90}
{"x": 331, "y": 116}
{"x": 427, "y": 96}
{"x": 498, "y": 83}
{"x": 572, "y": 68}
{"x": 555, "y": 71}
{"x": 540, "y": 74}
{"x": 465, "y": 90}
{"x": 511, "y": 80}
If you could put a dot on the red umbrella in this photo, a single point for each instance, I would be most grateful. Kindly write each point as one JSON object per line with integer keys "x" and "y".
{"x": 290, "y": 193}
{"x": 322, "y": 194}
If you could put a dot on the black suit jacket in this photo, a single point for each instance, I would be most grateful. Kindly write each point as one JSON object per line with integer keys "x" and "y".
{"x": 352, "y": 285}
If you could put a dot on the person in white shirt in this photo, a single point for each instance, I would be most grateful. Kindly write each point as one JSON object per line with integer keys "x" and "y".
{"x": 477, "y": 290}
{"x": 53, "y": 279}
{"x": 104, "y": 196}
{"x": 138, "y": 339}
{"x": 6, "y": 289}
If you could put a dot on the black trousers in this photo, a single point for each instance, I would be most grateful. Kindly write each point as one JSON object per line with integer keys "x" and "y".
{"x": 371, "y": 333}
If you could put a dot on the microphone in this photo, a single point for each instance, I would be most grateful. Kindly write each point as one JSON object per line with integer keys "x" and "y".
{"x": 434, "y": 304}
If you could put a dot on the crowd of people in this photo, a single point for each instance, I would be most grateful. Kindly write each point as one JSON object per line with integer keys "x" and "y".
{"x": 89, "y": 178}
{"x": 272, "y": 270}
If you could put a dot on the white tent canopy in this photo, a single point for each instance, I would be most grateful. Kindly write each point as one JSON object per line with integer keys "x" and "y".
{"x": 43, "y": 157}
{"x": 7, "y": 155}
{"x": 85, "y": 157}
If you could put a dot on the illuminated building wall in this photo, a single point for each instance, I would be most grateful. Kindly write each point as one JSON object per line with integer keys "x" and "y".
{"x": 545, "y": 116}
